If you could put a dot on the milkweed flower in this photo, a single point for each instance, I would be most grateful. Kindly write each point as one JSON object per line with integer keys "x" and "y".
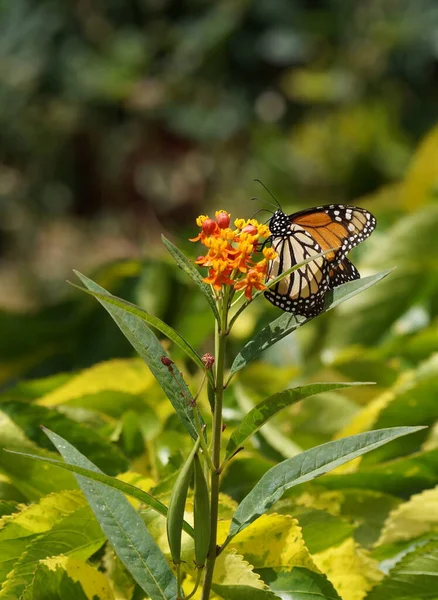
{"x": 231, "y": 253}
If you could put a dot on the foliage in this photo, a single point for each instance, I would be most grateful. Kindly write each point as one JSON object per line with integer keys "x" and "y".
{"x": 364, "y": 530}
{"x": 142, "y": 106}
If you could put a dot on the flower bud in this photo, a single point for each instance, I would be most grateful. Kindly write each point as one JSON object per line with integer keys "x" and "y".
{"x": 250, "y": 229}
{"x": 209, "y": 226}
{"x": 208, "y": 360}
{"x": 223, "y": 219}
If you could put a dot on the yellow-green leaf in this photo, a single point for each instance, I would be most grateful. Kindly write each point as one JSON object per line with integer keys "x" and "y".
{"x": 411, "y": 400}
{"x": 411, "y": 519}
{"x": 273, "y": 541}
{"x": 129, "y": 376}
{"x": 52, "y": 577}
{"x": 349, "y": 567}
{"x": 77, "y": 535}
{"x": 32, "y": 479}
{"x": 231, "y": 567}
{"x": 41, "y": 516}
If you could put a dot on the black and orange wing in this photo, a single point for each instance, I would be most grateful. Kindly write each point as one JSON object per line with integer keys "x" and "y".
{"x": 300, "y": 236}
{"x": 336, "y": 226}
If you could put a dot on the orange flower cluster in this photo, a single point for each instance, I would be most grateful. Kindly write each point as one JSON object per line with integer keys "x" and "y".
{"x": 230, "y": 252}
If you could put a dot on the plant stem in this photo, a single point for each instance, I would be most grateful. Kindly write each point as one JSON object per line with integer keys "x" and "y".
{"x": 202, "y": 438}
{"x": 221, "y": 333}
{"x": 198, "y": 580}
{"x": 178, "y": 581}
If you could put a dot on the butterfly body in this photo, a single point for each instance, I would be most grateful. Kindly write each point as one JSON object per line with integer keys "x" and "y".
{"x": 298, "y": 237}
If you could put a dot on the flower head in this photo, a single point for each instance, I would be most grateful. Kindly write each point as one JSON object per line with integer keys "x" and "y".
{"x": 230, "y": 257}
{"x": 253, "y": 280}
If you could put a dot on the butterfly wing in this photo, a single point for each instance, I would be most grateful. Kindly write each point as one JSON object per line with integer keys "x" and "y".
{"x": 336, "y": 226}
{"x": 302, "y": 291}
{"x": 342, "y": 273}
{"x": 301, "y": 235}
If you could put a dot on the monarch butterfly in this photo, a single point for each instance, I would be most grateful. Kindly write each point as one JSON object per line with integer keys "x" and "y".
{"x": 307, "y": 233}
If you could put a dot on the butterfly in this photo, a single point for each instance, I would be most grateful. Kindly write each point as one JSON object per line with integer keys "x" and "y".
{"x": 307, "y": 233}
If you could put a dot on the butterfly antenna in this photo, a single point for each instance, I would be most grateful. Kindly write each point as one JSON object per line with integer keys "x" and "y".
{"x": 270, "y": 193}
{"x": 261, "y": 210}
{"x": 265, "y": 201}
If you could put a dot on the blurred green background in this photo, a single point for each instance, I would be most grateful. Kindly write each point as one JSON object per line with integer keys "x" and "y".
{"x": 122, "y": 120}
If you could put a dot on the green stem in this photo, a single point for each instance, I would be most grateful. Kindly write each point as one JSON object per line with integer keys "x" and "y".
{"x": 178, "y": 582}
{"x": 202, "y": 438}
{"x": 198, "y": 580}
{"x": 152, "y": 459}
{"x": 238, "y": 299}
{"x": 220, "y": 347}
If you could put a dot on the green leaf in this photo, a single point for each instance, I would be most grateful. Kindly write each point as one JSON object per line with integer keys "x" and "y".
{"x": 112, "y": 482}
{"x": 30, "y": 416}
{"x": 8, "y": 507}
{"x": 32, "y": 479}
{"x": 124, "y": 529}
{"x": 10, "y": 552}
{"x": 264, "y": 339}
{"x": 349, "y": 567}
{"x": 68, "y": 579}
{"x": 269, "y": 434}
{"x": 305, "y": 467}
{"x": 53, "y": 584}
{"x": 320, "y": 418}
{"x": 350, "y": 289}
{"x": 404, "y": 523}
{"x": 299, "y": 584}
{"x": 402, "y": 477}
{"x": 151, "y": 351}
{"x": 77, "y": 535}
{"x": 39, "y": 517}
{"x": 353, "y": 361}
{"x": 368, "y": 510}
{"x": 155, "y": 322}
{"x": 118, "y": 380}
{"x": 415, "y": 577}
{"x": 242, "y": 592}
{"x": 287, "y": 323}
{"x": 413, "y": 402}
{"x": 231, "y": 567}
{"x": 30, "y": 521}
{"x": 183, "y": 262}
{"x": 269, "y": 407}
{"x": 357, "y": 513}
{"x": 321, "y": 529}
{"x": 33, "y": 389}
